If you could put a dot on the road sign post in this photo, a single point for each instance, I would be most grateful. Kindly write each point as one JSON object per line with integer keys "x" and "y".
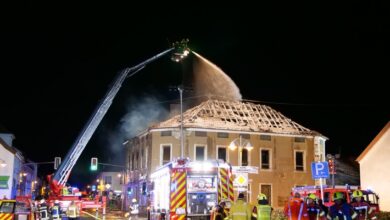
{"x": 320, "y": 170}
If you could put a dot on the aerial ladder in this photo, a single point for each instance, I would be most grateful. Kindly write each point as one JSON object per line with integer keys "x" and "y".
{"x": 58, "y": 180}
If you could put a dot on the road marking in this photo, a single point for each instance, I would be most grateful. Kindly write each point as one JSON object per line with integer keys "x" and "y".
{"x": 91, "y": 215}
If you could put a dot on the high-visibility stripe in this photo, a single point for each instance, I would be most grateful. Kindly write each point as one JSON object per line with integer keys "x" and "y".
{"x": 230, "y": 189}
{"x": 181, "y": 217}
{"x": 6, "y": 216}
{"x": 224, "y": 179}
{"x": 178, "y": 193}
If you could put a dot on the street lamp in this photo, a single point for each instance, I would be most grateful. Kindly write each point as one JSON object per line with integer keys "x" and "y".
{"x": 240, "y": 143}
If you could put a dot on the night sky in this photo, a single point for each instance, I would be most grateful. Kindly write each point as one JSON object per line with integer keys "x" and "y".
{"x": 323, "y": 66}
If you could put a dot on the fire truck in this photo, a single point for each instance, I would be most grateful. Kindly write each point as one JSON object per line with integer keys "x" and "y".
{"x": 184, "y": 189}
{"x": 58, "y": 180}
{"x": 368, "y": 195}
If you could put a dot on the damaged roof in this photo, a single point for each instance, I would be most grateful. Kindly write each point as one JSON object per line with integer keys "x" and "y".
{"x": 237, "y": 116}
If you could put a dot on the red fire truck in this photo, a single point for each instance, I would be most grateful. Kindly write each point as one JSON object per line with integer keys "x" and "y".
{"x": 185, "y": 189}
{"x": 368, "y": 195}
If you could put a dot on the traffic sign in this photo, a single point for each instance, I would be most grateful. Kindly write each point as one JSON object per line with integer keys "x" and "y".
{"x": 245, "y": 169}
{"x": 319, "y": 170}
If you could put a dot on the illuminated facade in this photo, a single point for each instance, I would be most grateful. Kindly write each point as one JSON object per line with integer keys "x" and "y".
{"x": 280, "y": 158}
{"x": 374, "y": 163}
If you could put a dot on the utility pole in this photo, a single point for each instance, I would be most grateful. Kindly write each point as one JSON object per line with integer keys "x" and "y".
{"x": 181, "y": 123}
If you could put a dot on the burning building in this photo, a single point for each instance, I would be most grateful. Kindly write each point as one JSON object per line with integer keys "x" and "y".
{"x": 270, "y": 152}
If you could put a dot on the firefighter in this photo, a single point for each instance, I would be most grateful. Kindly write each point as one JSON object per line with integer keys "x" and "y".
{"x": 262, "y": 211}
{"x": 225, "y": 212}
{"x": 314, "y": 210}
{"x": 340, "y": 209}
{"x": 42, "y": 208}
{"x": 56, "y": 210}
{"x": 218, "y": 213}
{"x": 240, "y": 210}
{"x": 73, "y": 211}
{"x": 296, "y": 208}
{"x": 362, "y": 208}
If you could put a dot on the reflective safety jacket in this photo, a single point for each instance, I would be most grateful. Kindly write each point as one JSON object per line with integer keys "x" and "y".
{"x": 315, "y": 212}
{"x": 73, "y": 211}
{"x": 341, "y": 211}
{"x": 363, "y": 210}
{"x": 240, "y": 211}
{"x": 55, "y": 212}
{"x": 262, "y": 212}
{"x": 296, "y": 209}
{"x": 43, "y": 211}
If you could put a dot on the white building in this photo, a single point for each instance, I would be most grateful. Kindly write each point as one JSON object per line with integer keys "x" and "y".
{"x": 111, "y": 181}
{"x": 374, "y": 167}
{"x": 8, "y": 177}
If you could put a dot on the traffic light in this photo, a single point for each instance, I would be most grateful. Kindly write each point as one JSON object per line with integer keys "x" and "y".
{"x": 332, "y": 168}
{"x": 57, "y": 162}
{"x": 94, "y": 163}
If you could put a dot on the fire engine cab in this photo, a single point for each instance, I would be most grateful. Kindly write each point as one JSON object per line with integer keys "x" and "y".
{"x": 368, "y": 195}
{"x": 185, "y": 189}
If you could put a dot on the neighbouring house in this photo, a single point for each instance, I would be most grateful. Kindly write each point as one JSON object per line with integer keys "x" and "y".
{"x": 283, "y": 150}
{"x": 374, "y": 164}
{"x": 16, "y": 177}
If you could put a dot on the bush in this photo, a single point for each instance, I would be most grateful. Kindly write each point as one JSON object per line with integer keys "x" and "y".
{"x": 384, "y": 215}
{"x": 277, "y": 214}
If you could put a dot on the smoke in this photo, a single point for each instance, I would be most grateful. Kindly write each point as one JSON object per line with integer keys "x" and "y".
{"x": 141, "y": 113}
{"x": 212, "y": 82}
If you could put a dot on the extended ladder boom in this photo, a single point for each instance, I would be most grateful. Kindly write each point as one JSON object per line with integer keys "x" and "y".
{"x": 61, "y": 176}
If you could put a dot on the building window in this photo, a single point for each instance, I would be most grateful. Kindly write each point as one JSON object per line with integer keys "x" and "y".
{"x": 107, "y": 180}
{"x": 245, "y": 136}
{"x": 166, "y": 133}
{"x": 200, "y": 133}
{"x": 129, "y": 162}
{"x": 146, "y": 157}
{"x": 142, "y": 159}
{"x": 200, "y": 152}
{"x": 136, "y": 160}
{"x": 265, "y": 159}
{"x": 299, "y": 139}
{"x": 299, "y": 160}
{"x": 266, "y": 189}
{"x": 166, "y": 154}
{"x": 133, "y": 162}
{"x": 222, "y": 153}
{"x": 222, "y": 135}
{"x": 244, "y": 157}
{"x": 248, "y": 195}
{"x": 265, "y": 137}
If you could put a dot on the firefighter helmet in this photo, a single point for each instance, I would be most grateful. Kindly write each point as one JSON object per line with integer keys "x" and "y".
{"x": 337, "y": 196}
{"x": 357, "y": 193}
{"x": 261, "y": 196}
{"x": 312, "y": 196}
